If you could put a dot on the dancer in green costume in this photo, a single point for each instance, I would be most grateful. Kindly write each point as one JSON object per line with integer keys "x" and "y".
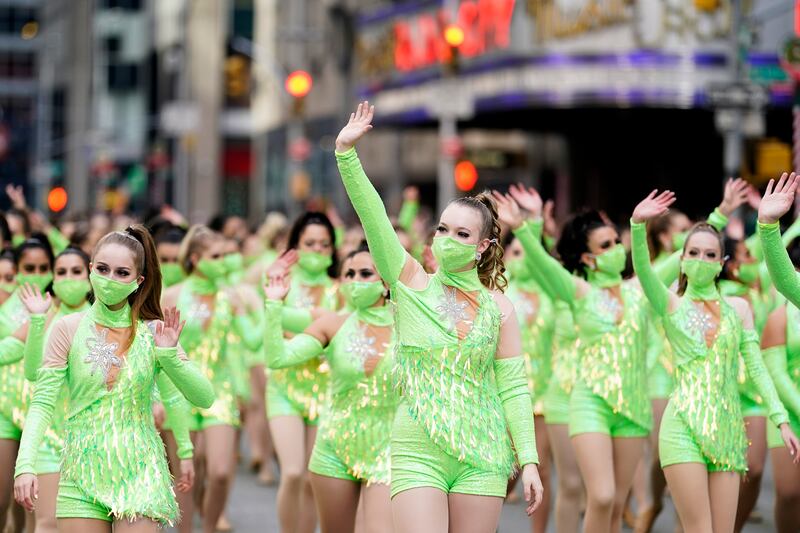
{"x": 168, "y": 244}
{"x": 296, "y": 394}
{"x": 8, "y": 274}
{"x": 351, "y": 454}
{"x": 703, "y": 443}
{"x": 459, "y": 363}
{"x": 780, "y": 344}
{"x": 212, "y": 313}
{"x": 114, "y": 471}
{"x": 34, "y": 267}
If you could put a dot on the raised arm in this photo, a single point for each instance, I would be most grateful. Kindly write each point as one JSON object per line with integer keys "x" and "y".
{"x": 280, "y": 352}
{"x": 777, "y": 201}
{"x": 562, "y": 284}
{"x": 654, "y": 205}
{"x": 38, "y": 305}
{"x": 389, "y": 256}
{"x": 173, "y": 361}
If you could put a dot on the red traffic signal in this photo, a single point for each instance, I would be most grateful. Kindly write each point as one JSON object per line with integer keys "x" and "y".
{"x": 298, "y": 83}
{"x": 465, "y": 175}
{"x": 57, "y": 199}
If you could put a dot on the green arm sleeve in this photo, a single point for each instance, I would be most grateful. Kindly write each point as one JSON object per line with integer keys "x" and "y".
{"x": 751, "y": 352}
{"x": 753, "y": 244}
{"x": 234, "y": 355}
{"x": 781, "y": 270}
{"x": 387, "y": 252}
{"x": 407, "y": 215}
{"x": 717, "y": 219}
{"x": 40, "y": 413}
{"x": 549, "y": 243}
{"x": 178, "y": 412}
{"x": 12, "y": 350}
{"x": 535, "y": 226}
{"x": 282, "y": 353}
{"x": 249, "y": 329}
{"x": 512, "y": 386}
{"x": 560, "y": 281}
{"x": 295, "y": 320}
{"x": 34, "y": 346}
{"x": 653, "y": 288}
{"x": 194, "y": 386}
{"x": 775, "y": 361}
{"x": 58, "y": 241}
{"x": 655, "y": 344}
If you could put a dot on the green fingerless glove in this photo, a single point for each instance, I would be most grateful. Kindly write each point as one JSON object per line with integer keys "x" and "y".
{"x": 775, "y": 361}
{"x": 194, "y": 386}
{"x": 512, "y": 387}
{"x": 653, "y": 288}
{"x": 249, "y": 329}
{"x": 717, "y": 219}
{"x": 407, "y": 215}
{"x": 282, "y": 353}
{"x": 295, "y": 320}
{"x": 387, "y": 252}
{"x": 40, "y": 413}
{"x": 751, "y": 352}
{"x": 179, "y": 412}
{"x": 12, "y": 350}
{"x": 552, "y": 274}
{"x": 34, "y": 346}
{"x": 781, "y": 270}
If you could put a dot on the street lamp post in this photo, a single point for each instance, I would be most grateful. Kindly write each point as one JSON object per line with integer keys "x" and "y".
{"x": 448, "y": 115}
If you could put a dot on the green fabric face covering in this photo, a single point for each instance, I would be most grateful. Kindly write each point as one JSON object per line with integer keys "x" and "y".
{"x": 612, "y": 261}
{"x": 40, "y": 281}
{"x": 8, "y": 287}
{"x": 453, "y": 255}
{"x": 313, "y": 262}
{"x": 109, "y": 291}
{"x": 701, "y": 276}
{"x": 72, "y": 291}
{"x": 234, "y": 262}
{"x": 213, "y": 269}
{"x": 362, "y": 294}
{"x": 748, "y": 273}
{"x": 171, "y": 274}
{"x": 16, "y": 240}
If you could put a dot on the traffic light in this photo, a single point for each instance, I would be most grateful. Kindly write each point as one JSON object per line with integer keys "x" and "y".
{"x": 298, "y": 84}
{"x": 465, "y": 175}
{"x": 237, "y": 77}
{"x": 57, "y": 199}
{"x": 454, "y": 37}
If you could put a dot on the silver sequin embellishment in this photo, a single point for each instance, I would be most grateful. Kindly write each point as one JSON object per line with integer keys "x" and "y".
{"x": 609, "y": 305}
{"x": 699, "y": 322}
{"x": 360, "y": 345}
{"x": 102, "y": 355}
{"x": 304, "y": 299}
{"x": 450, "y": 309}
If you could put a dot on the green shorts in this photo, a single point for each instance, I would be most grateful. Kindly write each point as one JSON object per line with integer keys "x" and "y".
{"x": 677, "y": 445}
{"x": 556, "y": 404}
{"x": 326, "y": 462}
{"x": 8, "y": 429}
{"x": 72, "y": 502}
{"x": 750, "y": 407}
{"x": 774, "y": 439}
{"x": 279, "y": 404}
{"x": 659, "y": 382}
{"x": 417, "y": 462}
{"x": 589, "y": 413}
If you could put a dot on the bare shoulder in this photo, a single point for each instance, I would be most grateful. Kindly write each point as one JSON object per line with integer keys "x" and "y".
{"x": 742, "y": 308}
{"x": 503, "y": 302}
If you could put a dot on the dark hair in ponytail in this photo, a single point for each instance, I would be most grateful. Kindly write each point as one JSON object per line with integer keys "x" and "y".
{"x": 37, "y": 241}
{"x": 491, "y": 269}
{"x": 145, "y": 302}
{"x": 574, "y": 241}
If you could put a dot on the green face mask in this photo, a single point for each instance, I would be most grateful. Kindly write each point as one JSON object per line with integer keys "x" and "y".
{"x": 453, "y": 255}
{"x": 518, "y": 269}
{"x": 362, "y": 294}
{"x": 700, "y": 273}
{"x": 8, "y": 287}
{"x": 612, "y": 261}
{"x": 171, "y": 274}
{"x": 41, "y": 281}
{"x": 748, "y": 273}
{"x": 110, "y": 291}
{"x": 679, "y": 239}
{"x": 72, "y": 292}
{"x": 234, "y": 262}
{"x": 213, "y": 269}
{"x": 313, "y": 262}
{"x": 16, "y": 240}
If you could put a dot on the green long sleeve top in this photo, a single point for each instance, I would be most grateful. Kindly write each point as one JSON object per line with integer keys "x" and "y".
{"x": 447, "y": 339}
{"x": 706, "y": 374}
{"x": 781, "y": 270}
{"x": 358, "y": 419}
{"x": 783, "y": 363}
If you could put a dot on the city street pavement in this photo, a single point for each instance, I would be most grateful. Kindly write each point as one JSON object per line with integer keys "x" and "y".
{"x": 252, "y": 509}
